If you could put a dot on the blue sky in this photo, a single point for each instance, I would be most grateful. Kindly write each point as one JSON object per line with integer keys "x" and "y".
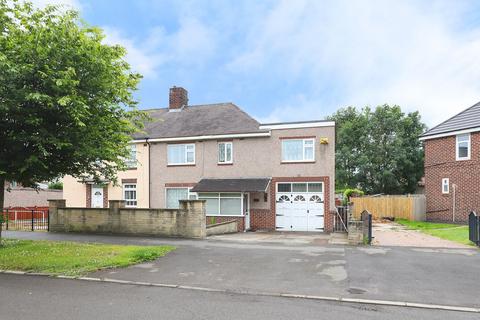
{"x": 299, "y": 60}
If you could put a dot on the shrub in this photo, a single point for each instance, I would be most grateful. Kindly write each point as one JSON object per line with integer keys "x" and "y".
{"x": 351, "y": 193}
{"x": 55, "y": 185}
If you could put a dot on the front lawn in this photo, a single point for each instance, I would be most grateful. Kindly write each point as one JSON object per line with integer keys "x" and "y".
{"x": 71, "y": 258}
{"x": 452, "y": 232}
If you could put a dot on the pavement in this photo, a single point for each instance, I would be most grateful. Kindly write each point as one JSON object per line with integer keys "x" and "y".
{"x": 393, "y": 234}
{"x": 426, "y": 275}
{"x": 34, "y": 297}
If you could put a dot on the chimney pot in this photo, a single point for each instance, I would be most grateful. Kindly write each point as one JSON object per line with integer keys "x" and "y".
{"x": 178, "y": 98}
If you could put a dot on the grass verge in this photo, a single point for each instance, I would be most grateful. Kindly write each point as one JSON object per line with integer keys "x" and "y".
{"x": 452, "y": 232}
{"x": 72, "y": 258}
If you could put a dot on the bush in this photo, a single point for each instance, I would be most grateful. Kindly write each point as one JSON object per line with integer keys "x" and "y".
{"x": 55, "y": 185}
{"x": 351, "y": 193}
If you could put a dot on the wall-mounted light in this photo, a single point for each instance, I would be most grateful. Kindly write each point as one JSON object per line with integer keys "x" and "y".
{"x": 323, "y": 140}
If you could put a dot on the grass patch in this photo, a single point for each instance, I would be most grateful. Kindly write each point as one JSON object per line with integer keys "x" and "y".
{"x": 447, "y": 231}
{"x": 72, "y": 258}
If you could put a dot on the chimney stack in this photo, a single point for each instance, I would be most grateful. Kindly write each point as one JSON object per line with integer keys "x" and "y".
{"x": 178, "y": 98}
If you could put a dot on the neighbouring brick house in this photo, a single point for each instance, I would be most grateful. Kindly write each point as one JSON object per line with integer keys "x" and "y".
{"x": 19, "y": 196}
{"x": 277, "y": 176}
{"x": 452, "y": 167}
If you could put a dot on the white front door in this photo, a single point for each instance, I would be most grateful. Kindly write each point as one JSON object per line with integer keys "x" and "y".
{"x": 246, "y": 210}
{"x": 300, "y": 211}
{"x": 97, "y": 196}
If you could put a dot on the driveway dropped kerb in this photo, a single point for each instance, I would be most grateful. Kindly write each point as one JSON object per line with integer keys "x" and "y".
{"x": 423, "y": 275}
{"x": 393, "y": 234}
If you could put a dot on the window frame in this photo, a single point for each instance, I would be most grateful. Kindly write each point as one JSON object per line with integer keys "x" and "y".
{"x": 446, "y": 183}
{"x": 225, "y": 144}
{"x": 218, "y": 197}
{"x": 304, "y": 148}
{"x": 124, "y": 197}
{"x": 469, "y": 146}
{"x": 189, "y": 193}
{"x": 131, "y": 161}
{"x": 186, "y": 151}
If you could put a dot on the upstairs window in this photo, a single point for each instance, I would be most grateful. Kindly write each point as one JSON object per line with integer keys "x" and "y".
{"x": 225, "y": 152}
{"x": 463, "y": 147}
{"x": 131, "y": 160}
{"x": 181, "y": 154}
{"x": 298, "y": 150}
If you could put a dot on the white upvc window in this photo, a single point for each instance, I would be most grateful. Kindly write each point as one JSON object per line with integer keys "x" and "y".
{"x": 131, "y": 160}
{"x": 225, "y": 152}
{"x": 463, "y": 147}
{"x": 181, "y": 154}
{"x": 174, "y": 195}
{"x": 298, "y": 150}
{"x": 130, "y": 194}
{"x": 445, "y": 185}
{"x": 223, "y": 204}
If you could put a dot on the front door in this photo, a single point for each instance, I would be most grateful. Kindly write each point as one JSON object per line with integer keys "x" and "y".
{"x": 246, "y": 210}
{"x": 97, "y": 196}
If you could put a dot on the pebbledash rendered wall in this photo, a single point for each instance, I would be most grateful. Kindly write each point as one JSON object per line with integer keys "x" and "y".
{"x": 440, "y": 163}
{"x": 186, "y": 222}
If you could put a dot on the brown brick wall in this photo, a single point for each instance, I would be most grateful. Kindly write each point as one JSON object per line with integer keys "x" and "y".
{"x": 329, "y": 212}
{"x": 440, "y": 162}
{"x": 262, "y": 219}
{"x": 220, "y": 219}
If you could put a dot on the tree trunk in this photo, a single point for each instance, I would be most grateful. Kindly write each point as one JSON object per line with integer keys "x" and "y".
{"x": 2, "y": 202}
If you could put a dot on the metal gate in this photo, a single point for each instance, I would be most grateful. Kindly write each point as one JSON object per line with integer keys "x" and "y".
{"x": 25, "y": 219}
{"x": 474, "y": 228}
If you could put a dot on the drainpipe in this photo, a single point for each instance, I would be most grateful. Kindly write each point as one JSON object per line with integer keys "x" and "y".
{"x": 149, "y": 166}
{"x": 454, "y": 186}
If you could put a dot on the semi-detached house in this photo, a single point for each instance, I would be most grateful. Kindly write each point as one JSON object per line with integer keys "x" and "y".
{"x": 277, "y": 176}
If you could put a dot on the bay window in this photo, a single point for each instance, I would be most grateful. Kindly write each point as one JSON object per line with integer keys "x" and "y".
{"x": 173, "y": 195}
{"x": 222, "y": 204}
{"x": 298, "y": 150}
{"x": 181, "y": 154}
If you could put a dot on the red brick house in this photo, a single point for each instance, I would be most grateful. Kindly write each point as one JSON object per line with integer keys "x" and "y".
{"x": 452, "y": 167}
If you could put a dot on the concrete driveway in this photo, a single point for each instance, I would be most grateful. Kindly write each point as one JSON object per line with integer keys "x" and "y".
{"x": 425, "y": 275}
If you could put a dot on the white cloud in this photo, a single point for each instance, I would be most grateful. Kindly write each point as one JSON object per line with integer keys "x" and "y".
{"x": 409, "y": 53}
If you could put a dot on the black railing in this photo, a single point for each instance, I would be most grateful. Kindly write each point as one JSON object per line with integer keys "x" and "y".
{"x": 367, "y": 227}
{"x": 474, "y": 228}
{"x": 25, "y": 220}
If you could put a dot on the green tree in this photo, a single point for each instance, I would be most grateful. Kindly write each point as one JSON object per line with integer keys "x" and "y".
{"x": 378, "y": 150}
{"x": 66, "y": 98}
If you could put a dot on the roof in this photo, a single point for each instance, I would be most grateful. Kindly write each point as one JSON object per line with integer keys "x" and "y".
{"x": 232, "y": 185}
{"x": 465, "y": 120}
{"x": 199, "y": 120}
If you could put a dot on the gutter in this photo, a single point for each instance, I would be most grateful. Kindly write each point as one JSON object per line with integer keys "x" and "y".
{"x": 207, "y": 137}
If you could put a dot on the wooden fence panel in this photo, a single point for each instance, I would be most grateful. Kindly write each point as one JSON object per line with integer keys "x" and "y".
{"x": 403, "y": 207}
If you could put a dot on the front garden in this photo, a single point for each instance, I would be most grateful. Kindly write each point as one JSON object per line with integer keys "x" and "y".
{"x": 71, "y": 258}
{"x": 452, "y": 232}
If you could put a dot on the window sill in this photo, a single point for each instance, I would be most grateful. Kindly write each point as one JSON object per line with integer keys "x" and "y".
{"x": 131, "y": 168}
{"x": 462, "y": 159}
{"x": 225, "y": 163}
{"x": 290, "y": 162}
{"x": 225, "y": 215}
{"x": 181, "y": 165}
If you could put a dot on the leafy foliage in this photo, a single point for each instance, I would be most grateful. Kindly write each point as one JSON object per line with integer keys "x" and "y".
{"x": 66, "y": 98}
{"x": 55, "y": 185}
{"x": 351, "y": 192}
{"x": 378, "y": 150}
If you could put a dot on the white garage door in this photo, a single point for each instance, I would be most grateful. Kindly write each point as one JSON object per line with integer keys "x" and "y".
{"x": 300, "y": 206}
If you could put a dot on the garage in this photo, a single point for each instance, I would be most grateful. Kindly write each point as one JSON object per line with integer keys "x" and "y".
{"x": 299, "y": 206}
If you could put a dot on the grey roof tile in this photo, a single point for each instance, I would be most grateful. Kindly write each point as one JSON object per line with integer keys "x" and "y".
{"x": 232, "y": 185}
{"x": 467, "y": 119}
{"x": 210, "y": 119}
